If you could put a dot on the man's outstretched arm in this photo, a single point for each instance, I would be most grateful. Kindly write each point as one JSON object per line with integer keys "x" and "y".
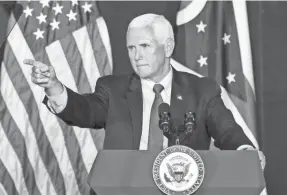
{"x": 88, "y": 110}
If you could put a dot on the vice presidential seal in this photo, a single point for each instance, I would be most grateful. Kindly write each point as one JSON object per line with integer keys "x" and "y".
{"x": 178, "y": 170}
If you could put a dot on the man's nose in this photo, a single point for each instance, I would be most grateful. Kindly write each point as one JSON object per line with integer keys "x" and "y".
{"x": 138, "y": 54}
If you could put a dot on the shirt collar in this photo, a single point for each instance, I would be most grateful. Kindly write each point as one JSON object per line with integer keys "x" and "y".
{"x": 165, "y": 82}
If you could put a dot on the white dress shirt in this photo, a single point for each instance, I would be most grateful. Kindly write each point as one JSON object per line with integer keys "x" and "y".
{"x": 148, "y": 98}
{"x": 58, "y": 103}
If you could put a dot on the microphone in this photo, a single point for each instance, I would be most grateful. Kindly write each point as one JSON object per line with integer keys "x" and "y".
{"x": 164, "y": 118}
{"x": 189, "y": 121}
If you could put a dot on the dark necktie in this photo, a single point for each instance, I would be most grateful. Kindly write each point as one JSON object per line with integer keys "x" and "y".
{"x": 155, "y": 133}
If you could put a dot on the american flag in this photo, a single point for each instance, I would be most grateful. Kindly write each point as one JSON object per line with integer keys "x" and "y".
{"x": 213, "y": 41}
{"x": 39, "y": 154}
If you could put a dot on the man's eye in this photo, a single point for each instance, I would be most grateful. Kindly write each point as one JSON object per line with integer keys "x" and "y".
{"x": 131, "y": 48}
{"x": 145, "y": 45}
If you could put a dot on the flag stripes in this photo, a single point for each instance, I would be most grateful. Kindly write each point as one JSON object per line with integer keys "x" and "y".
{"x": 65, "y": 154}
{"x": 6, "y": 181}
{"x": 245, "y": 108}
{"x": 241, "y": 19}
{"x": 75, "y": 137}
{"x": 89, "y": 64}
{"x": 15, "y": 141}
{"x": 64, "y": 74}
{"x": 86, "y": 52}
{"x": 25, "y": 94}
{"x": 48, "y": 122}
{"x": 69, "y": 57}
{"x": 12, "y": 164}
{"x": 249, "y": 106}
{"x": 72, "y": 56}
{"x": 16, "y": 118}
{"x": 101, "y": 48}
{"x": 101, "y": 44}
{"x": 69, "y": 73}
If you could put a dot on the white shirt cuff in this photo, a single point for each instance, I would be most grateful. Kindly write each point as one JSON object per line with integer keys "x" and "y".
{"x": 245, "y": 147}
{"x": 58, "y": 103}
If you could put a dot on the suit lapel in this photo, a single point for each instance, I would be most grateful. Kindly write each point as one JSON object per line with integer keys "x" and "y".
{"x": 135, "y": 104}
{"x": 182, "y": 99}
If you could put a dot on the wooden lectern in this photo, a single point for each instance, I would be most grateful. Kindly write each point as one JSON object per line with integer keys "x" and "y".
{"x": 117, "y": 172}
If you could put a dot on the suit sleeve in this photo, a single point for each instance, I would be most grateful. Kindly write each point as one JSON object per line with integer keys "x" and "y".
{"x": 87, "y": 110}
{"x": 221, "y": 125}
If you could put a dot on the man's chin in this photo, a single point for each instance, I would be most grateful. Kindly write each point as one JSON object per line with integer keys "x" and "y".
{"x": 143, "y": 75}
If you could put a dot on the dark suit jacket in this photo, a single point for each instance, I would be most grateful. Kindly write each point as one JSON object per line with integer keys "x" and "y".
{"x": 117, "y": 106}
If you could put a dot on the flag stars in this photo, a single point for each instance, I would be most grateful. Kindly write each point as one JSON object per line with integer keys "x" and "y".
{"x": 45, "y": 3}
{"x": 42, "y": 18}
{"x": 201, "y": 27}
{"x": 202, "y": 61}
{"x": 87, "y": 7}
{"x": 74, "y": 2}
{"x": 58, "y": 9}
{"x": 28, "y": 11}
{"x": 226, "y": 38}
{"x": 231, "y": 78}
{"x": 55, "y": 24}
{"x": 71, "y": 15}
{"x": 39, "y": 34}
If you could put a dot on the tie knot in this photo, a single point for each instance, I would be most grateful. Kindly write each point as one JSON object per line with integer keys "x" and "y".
{"x": 157, "y": 89}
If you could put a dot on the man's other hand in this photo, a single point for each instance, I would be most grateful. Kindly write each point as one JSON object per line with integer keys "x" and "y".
{"x": 261, "y": 157}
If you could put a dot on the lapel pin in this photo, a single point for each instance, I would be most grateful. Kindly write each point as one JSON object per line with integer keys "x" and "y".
{"x": 178, "y": 96}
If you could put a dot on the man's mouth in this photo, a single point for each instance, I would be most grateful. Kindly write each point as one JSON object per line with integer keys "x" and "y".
{"x": 139, "y": 65}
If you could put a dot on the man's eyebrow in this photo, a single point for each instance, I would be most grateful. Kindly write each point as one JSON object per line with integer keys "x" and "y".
{"x": 147, "y": 41}
{"x": 154, "y": 41}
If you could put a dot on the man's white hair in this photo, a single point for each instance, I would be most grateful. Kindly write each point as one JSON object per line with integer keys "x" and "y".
{"x": 161, "y": 27}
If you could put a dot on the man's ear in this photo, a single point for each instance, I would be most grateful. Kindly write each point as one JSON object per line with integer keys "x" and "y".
{"x": 169, "y": 47}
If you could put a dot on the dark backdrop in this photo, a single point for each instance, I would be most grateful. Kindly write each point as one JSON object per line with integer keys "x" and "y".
{"x": 269, "y": 46}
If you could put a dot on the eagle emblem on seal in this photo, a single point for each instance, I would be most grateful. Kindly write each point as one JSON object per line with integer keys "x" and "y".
{"x": 178, "y": 172}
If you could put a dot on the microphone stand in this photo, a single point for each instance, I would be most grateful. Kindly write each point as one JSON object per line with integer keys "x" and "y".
{"x": 190, "y": 119}
{"x": 171, "y": 132}
{"x": 174, "y": 132}
{"x": 177, "y": 136}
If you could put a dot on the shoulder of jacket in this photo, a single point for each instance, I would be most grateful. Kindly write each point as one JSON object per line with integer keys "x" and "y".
{"x": 111, "y": 79}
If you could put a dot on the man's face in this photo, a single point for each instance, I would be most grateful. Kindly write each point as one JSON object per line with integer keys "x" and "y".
{"x": 147, "y": 56}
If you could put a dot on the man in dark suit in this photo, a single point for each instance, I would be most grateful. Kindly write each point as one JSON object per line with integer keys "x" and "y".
{"x": 126, "y": 106}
